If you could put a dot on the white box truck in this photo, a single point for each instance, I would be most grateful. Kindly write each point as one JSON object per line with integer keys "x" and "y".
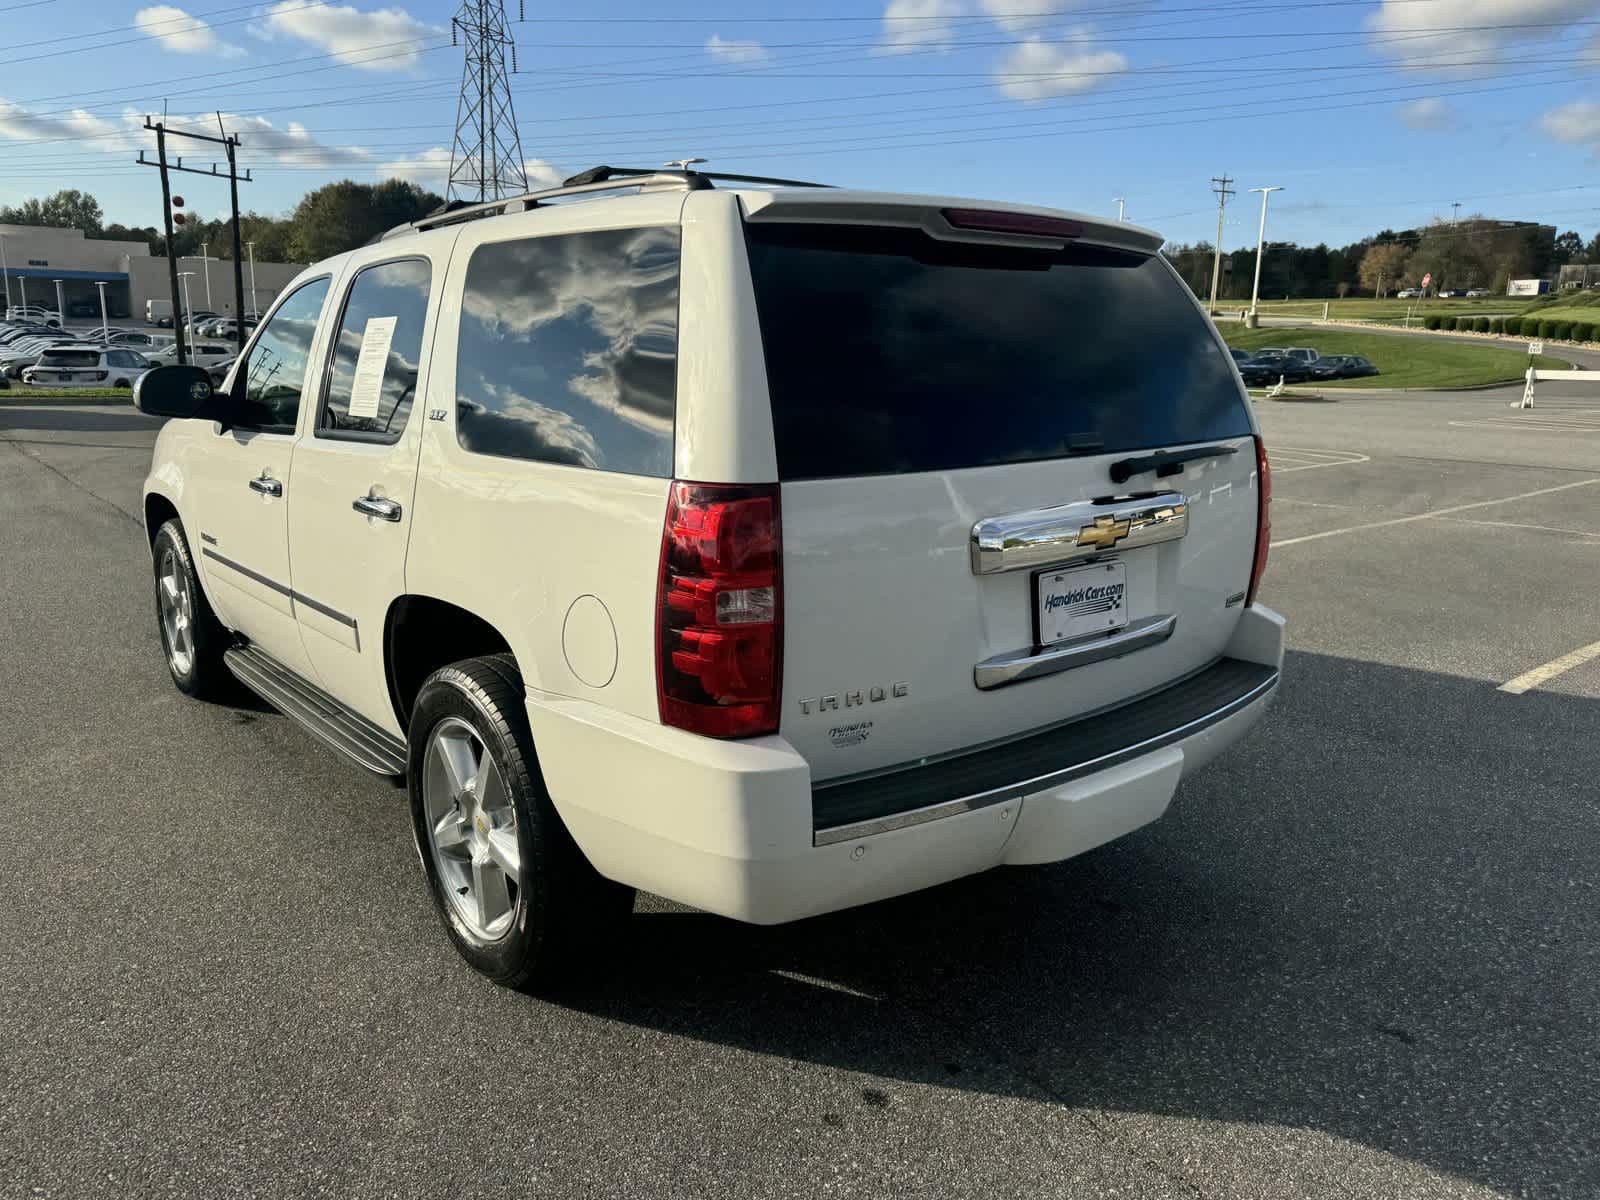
{"x": 158, "y": 312}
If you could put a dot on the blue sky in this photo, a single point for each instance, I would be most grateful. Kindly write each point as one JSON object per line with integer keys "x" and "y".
{"x": 1371, "y": 113}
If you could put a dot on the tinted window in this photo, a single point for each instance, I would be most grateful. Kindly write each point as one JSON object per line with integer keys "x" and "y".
{"x": 568, "y": 350}
{"x": 888, "y": 351}
{"x": 275, "y": 373}
{"x": 390, "y": 299}
{"x": 71, "y": 358}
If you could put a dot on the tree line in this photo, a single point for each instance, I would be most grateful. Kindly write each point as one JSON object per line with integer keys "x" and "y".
{"x": 1474, "y": 252}
{"x": 334, "y": 218}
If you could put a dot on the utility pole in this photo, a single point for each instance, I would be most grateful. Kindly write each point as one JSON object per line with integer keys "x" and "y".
{"x": 231, "y": 143}
{"x": 1223, "y": 191}
{"x": 238, "y": 258}
{"x": 1261, "y": 245}
{"x": 1121, "y": 207}
{"x": 486, "y": 157}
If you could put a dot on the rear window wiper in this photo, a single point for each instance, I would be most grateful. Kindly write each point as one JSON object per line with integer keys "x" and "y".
{"x": 1164, "y": 462}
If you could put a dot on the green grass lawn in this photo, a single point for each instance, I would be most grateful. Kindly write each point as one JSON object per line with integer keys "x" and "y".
{"x": 1418, "y": 362}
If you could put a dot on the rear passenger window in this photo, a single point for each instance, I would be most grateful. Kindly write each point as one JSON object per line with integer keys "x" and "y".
{"x": 370, "y": 400}
{"x": 568, "y": 350}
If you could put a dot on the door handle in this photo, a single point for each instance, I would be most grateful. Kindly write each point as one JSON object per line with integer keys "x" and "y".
{"x": 267, "y": 486}
{"x": 376, "y": 506}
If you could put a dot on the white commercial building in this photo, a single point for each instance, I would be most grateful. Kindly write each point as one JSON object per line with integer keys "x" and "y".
{"x": 36, "y": 256}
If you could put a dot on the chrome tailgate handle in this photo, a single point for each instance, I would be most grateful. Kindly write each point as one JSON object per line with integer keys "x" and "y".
{"x": 1045, "y": 536}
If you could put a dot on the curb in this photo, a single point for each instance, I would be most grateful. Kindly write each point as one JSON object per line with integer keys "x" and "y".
{"x": 26, "y": 401}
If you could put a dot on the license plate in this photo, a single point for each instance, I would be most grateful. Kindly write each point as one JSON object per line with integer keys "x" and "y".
{"x": 1081, "y": 601}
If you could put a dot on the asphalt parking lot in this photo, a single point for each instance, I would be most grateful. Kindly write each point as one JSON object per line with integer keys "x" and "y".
{"x": 1358, "y": 958}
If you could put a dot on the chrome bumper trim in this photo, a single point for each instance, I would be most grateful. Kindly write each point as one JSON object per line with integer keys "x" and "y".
{"x": 1019, "y": 665}
{"x": 1039, "y": 783}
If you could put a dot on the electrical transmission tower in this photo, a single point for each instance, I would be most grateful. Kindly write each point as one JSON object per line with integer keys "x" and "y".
{"x": 486, "y": 160}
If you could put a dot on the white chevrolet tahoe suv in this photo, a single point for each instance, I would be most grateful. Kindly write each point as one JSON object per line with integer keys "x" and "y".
{"x": 772, "y": 549}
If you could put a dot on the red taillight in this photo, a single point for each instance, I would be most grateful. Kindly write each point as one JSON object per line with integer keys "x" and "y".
{"x": 1263, "y": 519}
{"x": 992, "y": 221}
{"x": 719, "y": 613}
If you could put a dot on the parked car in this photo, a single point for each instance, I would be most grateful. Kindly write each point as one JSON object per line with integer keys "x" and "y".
{"x": 203, "y": 353}
{"x": 684, "y": 603}
{"x": 1342, "y": 366}
{"x": 1478, "y": 293}
{"x": 1454, "y": 294}
{"x": 1239, "y": 356}
{"x": 198, "y": 318}
{"x": 1266, "y": 369}
{"x": 219, "y": 371}
{"x": 85, "y": 364}
{"x": 26, "y": 352}
{"x": 1304, "y": 353}
{"x": 32, "y": 312}
{"x": 138, "y": 340}
{"x": 1409, "y": 294}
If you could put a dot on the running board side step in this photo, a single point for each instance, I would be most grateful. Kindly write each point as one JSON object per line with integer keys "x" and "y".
{"x": 352, "y": 735}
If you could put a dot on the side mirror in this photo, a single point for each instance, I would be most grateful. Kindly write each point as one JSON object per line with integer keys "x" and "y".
{"x": 178, "y": 391}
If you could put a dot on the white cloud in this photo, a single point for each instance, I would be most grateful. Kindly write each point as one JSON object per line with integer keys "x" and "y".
{"x": 1457, "y": 38}
{"x": 1038, "y": 70}
{"x": 1431, "y": 113}
{"x": 180, "y": 32}
{"x": 919, "y": 24}
{"x": 386, "y": 39}
{"x": 731, "y": 51}
{"x": 1577, "y": 123}
{"x": 431, "y": 170}
{"x": 19, "y": 124}
{"x": 1015, "y": 15}
{"x": 260, "y": 141}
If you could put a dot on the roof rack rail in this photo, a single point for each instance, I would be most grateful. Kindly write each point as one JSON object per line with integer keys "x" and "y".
{"x": 595, "y": 179}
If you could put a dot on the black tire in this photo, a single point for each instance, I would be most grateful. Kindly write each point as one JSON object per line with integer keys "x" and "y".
{"x": 202, "y": 672}
{"x": 563, "y": 908}
{"x": 121, "y": 383}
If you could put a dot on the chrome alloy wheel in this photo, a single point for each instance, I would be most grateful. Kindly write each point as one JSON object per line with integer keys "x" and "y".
{"x": 177, "y": 611}
{"x": 472, "y": 829}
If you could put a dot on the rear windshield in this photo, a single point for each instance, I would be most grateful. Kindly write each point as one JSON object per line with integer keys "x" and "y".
{"x": 890, "y": 352}
{"x": 72, "y": 358}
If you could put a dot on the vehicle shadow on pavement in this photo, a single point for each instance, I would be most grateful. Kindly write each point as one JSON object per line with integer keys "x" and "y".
{"x": 70, "y": 419}
{"x": 1372, "y": 919}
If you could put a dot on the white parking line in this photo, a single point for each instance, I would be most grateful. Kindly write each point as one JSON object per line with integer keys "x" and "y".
{"x": 1556, "y": 666}
{"x": 1429, "y": 516}
{"x": 1287, "y": 459}
{"x": 1588, "y": 533}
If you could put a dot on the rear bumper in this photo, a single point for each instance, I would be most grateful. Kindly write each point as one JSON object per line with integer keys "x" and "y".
{"x": 729, "y": 827}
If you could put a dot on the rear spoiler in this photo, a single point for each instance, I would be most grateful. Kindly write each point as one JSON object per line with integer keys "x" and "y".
{"x": 930, "y": 214}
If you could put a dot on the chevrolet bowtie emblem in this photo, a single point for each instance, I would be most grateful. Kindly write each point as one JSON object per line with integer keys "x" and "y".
{"x": 1105, "y": 532}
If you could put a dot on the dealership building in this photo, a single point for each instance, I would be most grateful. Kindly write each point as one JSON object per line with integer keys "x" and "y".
{"x": 34, "y": 258}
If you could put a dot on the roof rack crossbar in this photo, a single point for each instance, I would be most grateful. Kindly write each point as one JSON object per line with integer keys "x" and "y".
{"x": 595, "y": 179}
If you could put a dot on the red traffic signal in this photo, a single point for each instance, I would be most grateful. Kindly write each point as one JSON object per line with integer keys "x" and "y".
{"x": 178, "y": 218}
{"x": 177, "y": 202}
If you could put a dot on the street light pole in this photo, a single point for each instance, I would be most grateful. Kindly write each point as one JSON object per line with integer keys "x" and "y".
{"x": 206, "y": 266}
{"x": 1261, "y": 245}
{"x": 254, "y": 310}
{"x": 6, "y": 268}
{"x": 1121, "y": 207}
{"x": 188, "y": 308}
{"x": 105, "y": 330}
{"x": 61, "y": 305}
